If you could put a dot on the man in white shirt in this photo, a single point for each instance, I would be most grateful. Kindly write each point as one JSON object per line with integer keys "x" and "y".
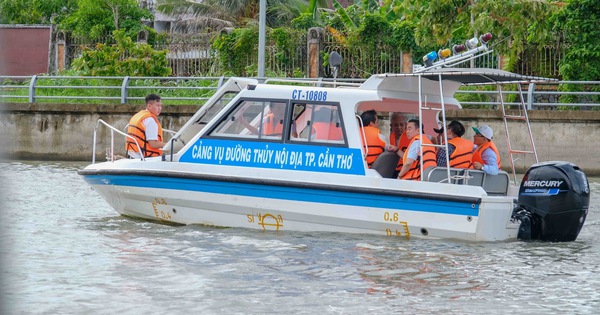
{"x": 146, "y": 129}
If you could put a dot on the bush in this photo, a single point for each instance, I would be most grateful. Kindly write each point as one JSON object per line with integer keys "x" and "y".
{"x": 125, "y": 58}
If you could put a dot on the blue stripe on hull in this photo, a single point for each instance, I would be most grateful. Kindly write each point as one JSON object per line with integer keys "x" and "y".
{"x": 289, "y": 193}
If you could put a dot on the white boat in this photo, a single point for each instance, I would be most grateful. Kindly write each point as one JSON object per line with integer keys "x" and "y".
{"x": 220, "y": 169}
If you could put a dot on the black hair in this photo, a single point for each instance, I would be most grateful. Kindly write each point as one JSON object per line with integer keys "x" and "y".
{"x": 368, "y": 117}
{"x": 457, "y": 128}
{"x": 152, "y": 97}
{"x": 416, "y": 122}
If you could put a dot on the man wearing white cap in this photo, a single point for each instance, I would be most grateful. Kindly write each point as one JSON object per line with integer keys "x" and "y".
{"x": 486, "y": 156}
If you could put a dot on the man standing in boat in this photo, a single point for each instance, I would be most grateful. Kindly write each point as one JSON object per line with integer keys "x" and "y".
{"x": 485, "y": 157}
{"x": 375, "y": 140}
{"x": 146, "y": 129}
{"x": 411, "y": 170}
{"x": 460, "y": 151}
{"x": 398, "y": 138}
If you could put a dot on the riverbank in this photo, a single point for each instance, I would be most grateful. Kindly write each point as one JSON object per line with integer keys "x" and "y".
{"x": 64, "y": 132}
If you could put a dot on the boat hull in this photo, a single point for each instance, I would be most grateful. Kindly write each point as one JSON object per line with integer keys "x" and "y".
{"x": 272, "y": 204}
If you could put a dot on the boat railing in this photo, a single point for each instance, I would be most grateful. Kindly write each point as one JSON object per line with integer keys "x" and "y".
{"x": 110, "y": 151}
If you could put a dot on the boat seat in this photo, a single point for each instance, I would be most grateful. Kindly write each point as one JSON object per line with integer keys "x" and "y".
{"x": 438, "y": 174}
{"x": 386, "y": 163}
{"x": 496, "y": 184}
{"x": 492, "y": 184}
{"x": 475, "y": 178}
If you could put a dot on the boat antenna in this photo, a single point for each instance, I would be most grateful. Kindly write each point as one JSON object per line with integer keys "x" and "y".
{"x": 235, "y": 82}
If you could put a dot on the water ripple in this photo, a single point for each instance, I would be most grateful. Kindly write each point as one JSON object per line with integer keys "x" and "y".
{"x": 66, "y": 251}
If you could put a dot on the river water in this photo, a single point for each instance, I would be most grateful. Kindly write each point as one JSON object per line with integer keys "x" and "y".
{"x": 65, "y": 251}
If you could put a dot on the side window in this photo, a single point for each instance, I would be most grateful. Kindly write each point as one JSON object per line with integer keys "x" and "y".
{"x": 273, "y": 122}
{"x": 242, "y": 122}
{"x": 317, "y": 123}
{"x": 253, "y": 119}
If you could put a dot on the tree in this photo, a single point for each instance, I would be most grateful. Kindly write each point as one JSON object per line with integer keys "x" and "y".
{"x": 35, "y": 11}
{"x": 125, "y": 58}
{"x": 512, "y": 23}
{"x": 215, "y": 14}
{"x": 579, "y": 23}
{"x": 95, "y": 18}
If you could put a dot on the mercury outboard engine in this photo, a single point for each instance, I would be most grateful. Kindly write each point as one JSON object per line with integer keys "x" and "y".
{"x": 554, "y": 198}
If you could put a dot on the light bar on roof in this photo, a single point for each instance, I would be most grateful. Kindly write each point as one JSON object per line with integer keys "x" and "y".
{"x": 458, "y": 51}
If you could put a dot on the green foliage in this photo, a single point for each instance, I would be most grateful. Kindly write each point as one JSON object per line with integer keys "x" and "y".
{"x": 344, "y": 16}
{"x": 286, "y": 43}
{"x": 371, "y": 29}
{"x": 35, "y": 11}
{"x": 125, "y": 58}
{"x": 235, "y": 48}
{"x": 304, "y": 22}
{"x": 579, "y": 21}
{"x": 94, "y": 18}
{"x": 513, "y": 23}
{"x": 237, "y": 51}
{"x": 465, "y": 98}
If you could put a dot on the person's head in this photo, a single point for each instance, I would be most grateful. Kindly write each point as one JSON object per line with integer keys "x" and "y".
{"x": 398, "y": 123}
{"x": 369, "y": 117}
{"x": 455, "y": 129}
{"x": 412, "y": 128}
{"x": 482, "y": 135}
{"x": 323, "y": 114}
{"x": 154, "y": 104}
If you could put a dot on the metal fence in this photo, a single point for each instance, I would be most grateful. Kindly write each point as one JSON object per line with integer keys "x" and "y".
{"x": 192, "y": 55}
{"x": 196, "y": 90}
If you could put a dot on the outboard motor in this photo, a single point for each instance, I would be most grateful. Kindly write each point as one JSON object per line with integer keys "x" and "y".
{"x": 554, "y": 198}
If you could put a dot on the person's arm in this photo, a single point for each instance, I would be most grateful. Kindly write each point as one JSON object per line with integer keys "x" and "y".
{"x": 152, "y": 133}
{"x": 491, "y": 162}
{"x": 156, "y": 144}
{"x": 246, "y": 124}
{"x": 411, "y": 156}
{"x": 405, "y": 167}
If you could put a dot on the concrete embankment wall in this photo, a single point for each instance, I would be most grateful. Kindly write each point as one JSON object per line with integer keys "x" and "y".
{"x": 65, "y": 132}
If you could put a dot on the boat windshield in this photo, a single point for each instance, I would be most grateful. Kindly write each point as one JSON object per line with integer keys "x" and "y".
{"x": 279, "y": 121}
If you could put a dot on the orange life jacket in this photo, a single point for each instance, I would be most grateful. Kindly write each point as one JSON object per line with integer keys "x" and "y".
{"x": 327, "y": 131}
{"x": 479, "y": 151}
{"x": 137, "y": 130}
{"x": 463, "y": 152}
{"x": 272, "y": 126}
{"x": 402, "y": 145}
{"x": 375, "y": 146}
{"x": 414, "y": 173}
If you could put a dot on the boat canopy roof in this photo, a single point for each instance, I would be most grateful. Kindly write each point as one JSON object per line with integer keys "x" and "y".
{"x": 473, "y": 76}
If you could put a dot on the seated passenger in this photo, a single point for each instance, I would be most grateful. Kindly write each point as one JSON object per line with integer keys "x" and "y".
{"x": 398, "y": 138}
{"x": 375, "y": 140}
{"x": 411, "y": 170}
{"x": 324, "y": 125}
{"x": 485, "y": 156}
{"x": 273, "y": 122}
{"x": 460, "y": 150}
